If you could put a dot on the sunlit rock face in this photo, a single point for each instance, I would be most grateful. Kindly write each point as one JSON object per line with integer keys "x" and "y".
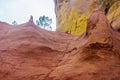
{"x": 72, "y": 15}
{"x": 81, "y": 6}
{"x": 114, "y": 15}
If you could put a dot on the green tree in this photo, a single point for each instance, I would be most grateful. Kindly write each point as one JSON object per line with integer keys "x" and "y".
{"x": 44, "y": 22}
{"x": 14, "y": 23}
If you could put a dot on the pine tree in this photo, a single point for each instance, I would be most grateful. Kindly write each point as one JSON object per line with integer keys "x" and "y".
{"x": 44, "y": 22}
{"x": 14, "y": 23}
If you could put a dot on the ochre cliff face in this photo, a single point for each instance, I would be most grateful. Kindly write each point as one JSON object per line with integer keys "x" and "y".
{"x": 28, "y": 52}
{"x": 72, "y": 15}
{"x": 114, "y": 15}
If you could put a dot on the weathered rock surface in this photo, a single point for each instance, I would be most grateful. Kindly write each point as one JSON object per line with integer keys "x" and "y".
{"x": 30, "y": 53}
{"x": 97, "y": 58}
{"x": 114, "y": 15}
{"x": 72, "y": 15}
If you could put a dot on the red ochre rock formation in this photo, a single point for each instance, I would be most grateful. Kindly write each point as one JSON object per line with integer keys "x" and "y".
{"x": 28, "y": 52}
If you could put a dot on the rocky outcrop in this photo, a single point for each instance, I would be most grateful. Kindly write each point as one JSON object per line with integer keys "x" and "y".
{"x": 96, "y": 58}
{"x": 114, "y": 15}
{"x": 28, "y": 52}
{"x": 72, "y": 15}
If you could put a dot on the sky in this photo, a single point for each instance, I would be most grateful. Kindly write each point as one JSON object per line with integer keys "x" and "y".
{"x": 21, "y": 10}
